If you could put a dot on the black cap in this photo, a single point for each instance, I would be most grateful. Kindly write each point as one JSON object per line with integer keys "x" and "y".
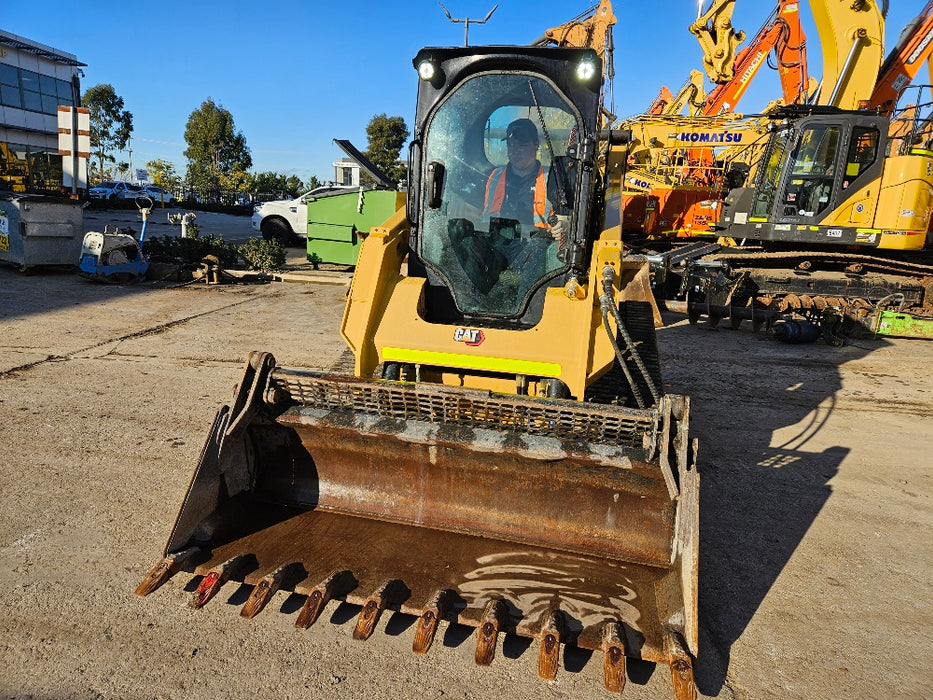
{"x": 523, "y": 130}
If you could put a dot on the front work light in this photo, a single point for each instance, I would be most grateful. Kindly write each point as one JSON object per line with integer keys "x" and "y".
{"x": 586, "y": 69}
{"x": 426, "y": 70}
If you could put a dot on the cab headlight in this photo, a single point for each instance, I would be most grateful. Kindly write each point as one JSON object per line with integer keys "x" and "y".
{"x": 586, "y": 70}
{"x": 427, "y": 70}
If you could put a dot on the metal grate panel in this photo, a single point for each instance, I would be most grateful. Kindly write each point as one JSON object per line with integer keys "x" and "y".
{"x": 554, "y": 418}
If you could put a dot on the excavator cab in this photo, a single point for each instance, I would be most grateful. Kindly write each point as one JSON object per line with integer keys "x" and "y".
{"x": 827, "y": 177}
{"x": 503, "y": 455}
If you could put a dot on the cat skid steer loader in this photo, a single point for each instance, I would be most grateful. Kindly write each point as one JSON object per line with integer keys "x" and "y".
{"x": 503, "y": 455}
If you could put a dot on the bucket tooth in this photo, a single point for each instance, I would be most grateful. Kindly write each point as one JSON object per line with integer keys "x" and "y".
{"x": 164, "y": 570}
{"x": 681, "y": 670}
{"x": 613, "y": 657}
{"x": 495, "y": 615}
{"x": 552, "y": 632}
{"x": 215, "y": 578}
{"x": 266, "y": 588}
{"x": 337, "y": 584}
{"x": 682, "y": 676}
{"x": 426, "y": 628}
{"x": 388, "y": 593}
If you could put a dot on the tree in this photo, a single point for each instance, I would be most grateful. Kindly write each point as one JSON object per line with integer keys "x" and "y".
{"x": 293, "y": 185}
{"x": 163, "y": 174}
{"x": 215, "y": 149}
{"x": 111, "y": 125}
{"x": 237, "y": 179}
{"x": 279, "y": 183}
{"x": 269, "y": 183}
{"x": 386, "y": 137}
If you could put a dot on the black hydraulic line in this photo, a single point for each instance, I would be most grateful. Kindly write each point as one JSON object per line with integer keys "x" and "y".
{"x": 608, "y": 305}
{"x": 619, "y": 355}
{"x": 561, "y": 175}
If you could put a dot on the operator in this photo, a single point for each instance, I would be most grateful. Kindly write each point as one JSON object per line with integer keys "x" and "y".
{"x": 518, "y": 191}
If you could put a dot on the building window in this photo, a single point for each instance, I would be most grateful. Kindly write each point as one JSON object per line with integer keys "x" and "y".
{"x": 30, "y": 168}
{"x": 26, "y": 89}
{"x": 9, "y": 86}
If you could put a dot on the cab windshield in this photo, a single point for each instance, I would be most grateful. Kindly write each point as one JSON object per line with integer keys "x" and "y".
{"x": 499, "y": 190}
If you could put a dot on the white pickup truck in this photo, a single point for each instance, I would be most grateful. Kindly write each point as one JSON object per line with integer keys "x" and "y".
{"x": 286, "y": 219}
{"x": 115, "y": 189}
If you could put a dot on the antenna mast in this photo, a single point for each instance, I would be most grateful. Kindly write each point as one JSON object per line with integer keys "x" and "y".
{"x": 466, "y": 22}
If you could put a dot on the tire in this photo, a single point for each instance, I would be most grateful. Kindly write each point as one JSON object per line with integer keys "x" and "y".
{"x": 277, "y": 230}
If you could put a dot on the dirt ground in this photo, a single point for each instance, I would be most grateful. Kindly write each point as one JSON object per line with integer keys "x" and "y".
{"x": 815, "y": 511}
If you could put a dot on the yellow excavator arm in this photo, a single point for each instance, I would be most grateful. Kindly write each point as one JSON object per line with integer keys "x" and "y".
{"x": 713, "y": 29}
{"x": 852, "y": 37}
{"x": 592, "y": 29}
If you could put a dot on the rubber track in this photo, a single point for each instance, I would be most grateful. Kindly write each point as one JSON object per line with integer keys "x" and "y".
{"x": 613, "y": 387}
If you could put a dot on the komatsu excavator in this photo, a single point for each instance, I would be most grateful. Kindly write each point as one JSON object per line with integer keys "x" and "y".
{"x": 835, "y": 214}
{"x": 503, "y": 455}
{"x": 673, "y": 184}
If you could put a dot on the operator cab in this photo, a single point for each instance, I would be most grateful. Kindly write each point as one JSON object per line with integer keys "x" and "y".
{"x": 814, "y": 165}
{"x": 486, "y": 258}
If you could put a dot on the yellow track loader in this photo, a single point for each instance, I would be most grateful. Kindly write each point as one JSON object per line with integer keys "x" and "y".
{"x": 503, "y": 455}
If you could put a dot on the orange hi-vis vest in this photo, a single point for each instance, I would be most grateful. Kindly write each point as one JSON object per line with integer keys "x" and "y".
{"x": 495, "y": 186}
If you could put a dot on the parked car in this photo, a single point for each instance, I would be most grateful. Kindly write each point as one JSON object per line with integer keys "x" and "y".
{"x": 159, "y": 196}
{"x": 285, "y": 219}
{"x": 115, "y": 189}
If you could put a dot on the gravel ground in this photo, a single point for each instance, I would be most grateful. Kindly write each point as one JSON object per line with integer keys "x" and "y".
{"x": 815, "y": 511}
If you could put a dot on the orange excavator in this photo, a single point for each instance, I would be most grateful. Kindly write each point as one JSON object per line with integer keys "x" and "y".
{"x": 781, "y": 34}
{"x": 913, "y": 48}
{"x": 679, "y": 204}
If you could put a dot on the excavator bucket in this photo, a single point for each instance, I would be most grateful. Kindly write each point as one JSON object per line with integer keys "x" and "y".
{"x": 562, "y": 521}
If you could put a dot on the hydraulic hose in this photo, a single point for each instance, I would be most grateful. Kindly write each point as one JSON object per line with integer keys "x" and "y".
{"x": 607, "y": 305}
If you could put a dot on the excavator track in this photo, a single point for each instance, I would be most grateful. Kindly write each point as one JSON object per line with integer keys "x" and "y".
{"x": 806, "y": 260}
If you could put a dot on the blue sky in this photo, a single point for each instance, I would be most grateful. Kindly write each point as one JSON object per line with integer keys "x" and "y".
{"x": 296, "y": 75}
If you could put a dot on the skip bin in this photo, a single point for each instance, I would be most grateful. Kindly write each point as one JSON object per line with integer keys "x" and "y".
{"x": 40, "y": 230}
{"x": 337, "y": 220}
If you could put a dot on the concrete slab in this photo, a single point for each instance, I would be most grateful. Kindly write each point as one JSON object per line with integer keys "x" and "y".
{"x": 816, "y": 489}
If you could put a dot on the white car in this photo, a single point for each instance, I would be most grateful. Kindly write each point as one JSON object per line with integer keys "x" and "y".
{"x": 115, "y": 189}
{"x": 285, "y": 219}
{"x": 158, "y": 195}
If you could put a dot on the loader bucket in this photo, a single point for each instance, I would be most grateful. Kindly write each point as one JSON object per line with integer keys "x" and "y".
{"x": 562, "y": 521}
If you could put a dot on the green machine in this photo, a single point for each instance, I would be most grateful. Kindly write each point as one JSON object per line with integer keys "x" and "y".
{"x": 337, "y": 221}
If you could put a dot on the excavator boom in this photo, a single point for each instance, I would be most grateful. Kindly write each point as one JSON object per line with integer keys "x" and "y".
{"x": 852, "y": 38}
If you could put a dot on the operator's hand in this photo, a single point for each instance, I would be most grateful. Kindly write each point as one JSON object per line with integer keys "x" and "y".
{"x": 560, "y": 228}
